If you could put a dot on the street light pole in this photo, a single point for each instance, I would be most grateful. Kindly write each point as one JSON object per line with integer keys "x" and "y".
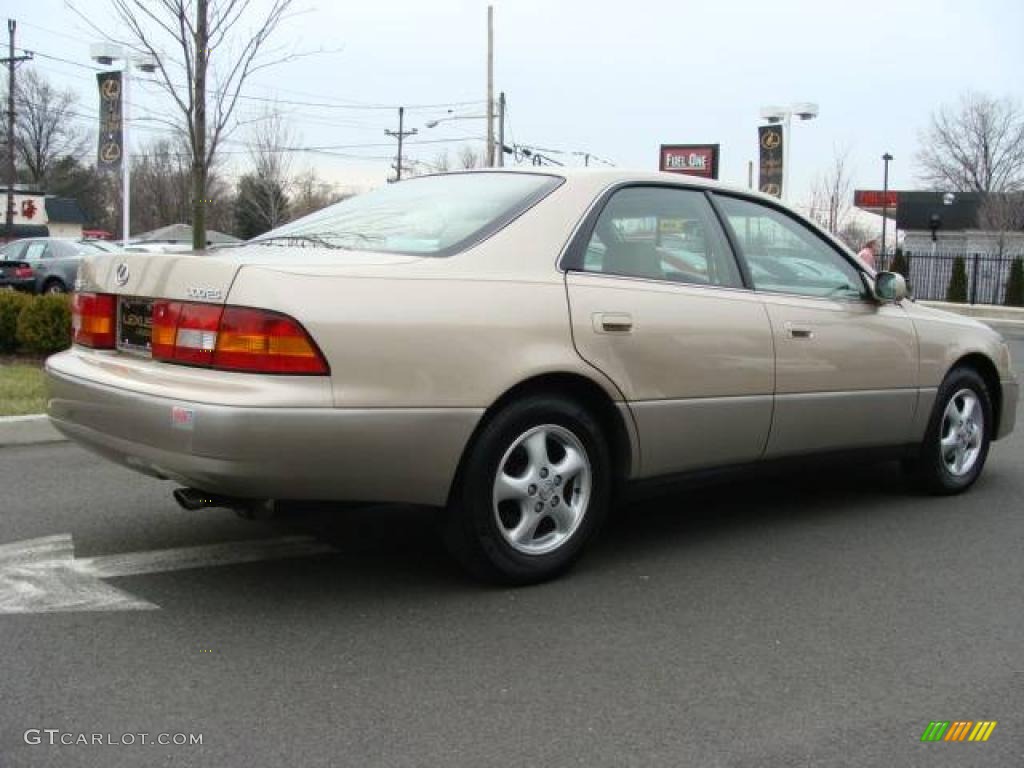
{"x": 886, "y": 159}
{"x": 501, "y": 130}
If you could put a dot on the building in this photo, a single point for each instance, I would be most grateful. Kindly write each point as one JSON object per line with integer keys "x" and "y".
{"x": 961, "y": 221}
{"x": 37, "y": 215}
{"x": 939, "y": 229}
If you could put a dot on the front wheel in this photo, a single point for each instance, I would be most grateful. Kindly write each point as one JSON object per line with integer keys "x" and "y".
{"x": 55, "y": 287}
{"x": 957, "y": 441}
{"x": 534, "y": 488}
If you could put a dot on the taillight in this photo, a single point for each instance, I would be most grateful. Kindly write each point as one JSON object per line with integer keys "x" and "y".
{"x": 93, "y": 318}
{"x": 23, "y": 272}
{"x": 256, "y": 340}
{"x": 184, "y": 332}
{"x": 233, "y": 338}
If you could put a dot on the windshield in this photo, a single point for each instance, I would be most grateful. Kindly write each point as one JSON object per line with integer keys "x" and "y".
{"x": 430, "y": 215}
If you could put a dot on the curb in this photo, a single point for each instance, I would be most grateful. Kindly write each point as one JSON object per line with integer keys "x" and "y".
{"x": 28, "y": 430}
{"x": 986, "y": 312}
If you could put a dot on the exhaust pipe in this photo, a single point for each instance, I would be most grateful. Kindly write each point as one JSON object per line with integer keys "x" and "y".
{"x": 251, "y": 509}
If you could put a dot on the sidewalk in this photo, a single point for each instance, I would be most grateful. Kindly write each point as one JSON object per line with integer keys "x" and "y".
{"x": 27, "y": 430}
{"x": 988, "y": 312}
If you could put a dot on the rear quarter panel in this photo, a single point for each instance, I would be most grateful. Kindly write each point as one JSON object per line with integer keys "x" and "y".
{"x": 423, "y": 341}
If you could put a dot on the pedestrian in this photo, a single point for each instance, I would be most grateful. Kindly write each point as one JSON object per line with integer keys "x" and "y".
{"x": 867, "y": 254}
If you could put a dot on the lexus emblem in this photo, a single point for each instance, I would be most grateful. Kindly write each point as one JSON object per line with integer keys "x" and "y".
{"x": 122, "y": 274}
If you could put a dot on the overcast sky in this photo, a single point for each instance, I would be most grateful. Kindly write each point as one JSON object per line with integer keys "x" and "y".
{"x": 614, "y": 79}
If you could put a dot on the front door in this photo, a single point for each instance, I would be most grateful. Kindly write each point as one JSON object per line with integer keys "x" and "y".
{"x": 846, "y": 366}
{"x": 658, "y": 305}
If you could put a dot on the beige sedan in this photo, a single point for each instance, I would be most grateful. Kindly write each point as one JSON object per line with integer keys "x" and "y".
{"x": 516, "y": 347}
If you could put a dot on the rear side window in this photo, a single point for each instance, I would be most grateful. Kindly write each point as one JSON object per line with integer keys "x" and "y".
{"x": 430, "y": 215}
{"x": 661, "y": 233}
{"x": 35, "y": 251}
{"x": 12, "y": 251}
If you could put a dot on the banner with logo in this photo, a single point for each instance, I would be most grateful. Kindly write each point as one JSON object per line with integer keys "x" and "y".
{"x": 110, "y": 148}
{"x": 690, "y": 159}
{"x": 770, "y": 141}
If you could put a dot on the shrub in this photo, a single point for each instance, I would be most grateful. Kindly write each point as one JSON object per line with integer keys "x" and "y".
{"x": 957, "y": 290}
{"x": 901, "y": 265}
{"x": 1015, "y": 285}
{"x": 11, "y": 304}
{"x": 44, "y": 325}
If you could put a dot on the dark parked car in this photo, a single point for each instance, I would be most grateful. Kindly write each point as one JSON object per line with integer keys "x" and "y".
{"x": 54, "y": 262}
{"x": 18, "y": 275}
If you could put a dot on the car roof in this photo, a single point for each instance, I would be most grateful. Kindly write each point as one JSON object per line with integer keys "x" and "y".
{"x": 602, "y": 177}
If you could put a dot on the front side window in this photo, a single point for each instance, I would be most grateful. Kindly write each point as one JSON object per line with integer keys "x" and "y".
{"x": 661, "y": 233}
{"x": 427, "y": 216}
{"x": 784, "y": 256}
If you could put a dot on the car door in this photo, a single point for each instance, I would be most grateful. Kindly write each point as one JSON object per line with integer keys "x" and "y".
{"x": 657, "y": 303}
{"x": 35, "y": 252}
{"x": 846, "y": 364}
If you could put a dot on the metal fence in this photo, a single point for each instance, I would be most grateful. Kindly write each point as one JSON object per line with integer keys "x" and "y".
{"x": 929, "y": 273}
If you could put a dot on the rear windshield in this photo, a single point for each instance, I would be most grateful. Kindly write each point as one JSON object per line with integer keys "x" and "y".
{"x": 430, "y": 215}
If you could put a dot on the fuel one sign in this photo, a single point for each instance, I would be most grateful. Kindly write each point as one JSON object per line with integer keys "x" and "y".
{"x": 690, "y": 159}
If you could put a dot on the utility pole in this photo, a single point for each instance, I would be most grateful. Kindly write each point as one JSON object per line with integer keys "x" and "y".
{"x": 490, "y": 86}
{"x": 400, "y": 134}
{"x": 11, "y": 61}
{"x": 501, "y": 130}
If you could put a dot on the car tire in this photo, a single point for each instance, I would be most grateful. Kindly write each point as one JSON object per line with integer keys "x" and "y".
{"x": 957, "y": 440}
{"x": 55, "y": 287}
{"x": 533, "y": 488}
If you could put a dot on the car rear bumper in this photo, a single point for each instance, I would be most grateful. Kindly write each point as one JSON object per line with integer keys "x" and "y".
{"x": 1008, "y": 412}
{"x": 373, "y": 454}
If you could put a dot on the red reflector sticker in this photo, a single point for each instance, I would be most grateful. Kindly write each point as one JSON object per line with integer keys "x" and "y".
{"x": 182, "y": 418}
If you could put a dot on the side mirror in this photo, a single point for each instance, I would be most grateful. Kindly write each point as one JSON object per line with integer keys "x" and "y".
{"x": 890, "y": 286}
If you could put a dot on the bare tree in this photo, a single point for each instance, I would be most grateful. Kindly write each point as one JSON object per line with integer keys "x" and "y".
{"x": 442, "y": 162}
{"x": 262, "y": 201}
{"x": 1002, "y": 214}
{"x": 977, "y": 146}
{"x": 855, "y": 234}
{"x": 310, "y": 193}
{"x": 45, "y": 131}
{"x": 195, "y": 43}
{"x": 162, "y": 187}
{"x": 832, "y": 193}
{"x": 470, "y": 158}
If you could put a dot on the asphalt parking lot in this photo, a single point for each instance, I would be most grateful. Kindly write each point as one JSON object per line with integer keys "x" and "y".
{"x": 811, "y": 619}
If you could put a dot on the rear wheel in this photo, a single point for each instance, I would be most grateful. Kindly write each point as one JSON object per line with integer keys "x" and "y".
{"x": 533, "y": 489}
{"x": 55, "y": 286}
{"x": 957, "y": 441}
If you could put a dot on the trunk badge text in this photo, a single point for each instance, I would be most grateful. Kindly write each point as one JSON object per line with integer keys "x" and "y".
{"x": 205, "y": 293}
{"x": 122, "y": 274}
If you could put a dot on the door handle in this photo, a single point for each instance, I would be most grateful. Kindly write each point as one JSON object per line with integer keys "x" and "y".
{"x": 613, "y": 322}
{"x": 799, "y": 331}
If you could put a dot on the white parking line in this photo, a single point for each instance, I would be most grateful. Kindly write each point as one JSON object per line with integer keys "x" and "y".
{"x": 42, "y": 575}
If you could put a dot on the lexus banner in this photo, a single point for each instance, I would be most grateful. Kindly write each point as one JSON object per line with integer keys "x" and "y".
{"x": 110, "y": 147}
{"x": 770, "y": 181}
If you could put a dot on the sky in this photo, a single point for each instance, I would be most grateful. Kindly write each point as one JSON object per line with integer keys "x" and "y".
{"x": 612, "y": 79}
